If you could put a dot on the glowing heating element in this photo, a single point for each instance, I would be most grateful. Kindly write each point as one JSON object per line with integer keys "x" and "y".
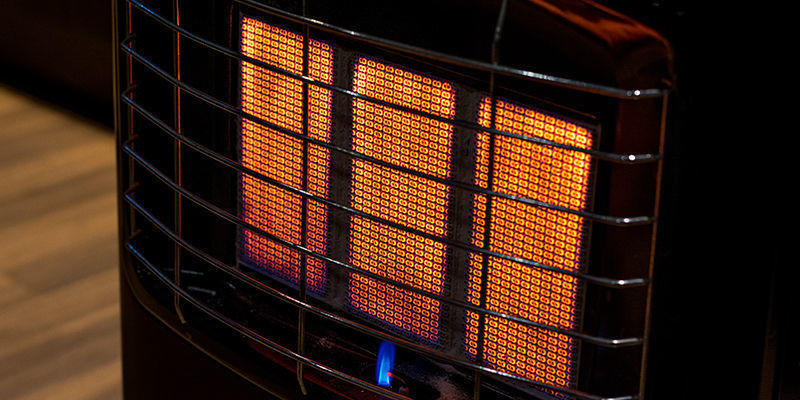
{"x": 278, "y": 99}
{"x": 555, "y": 238}
{"x": 419, "y": 144}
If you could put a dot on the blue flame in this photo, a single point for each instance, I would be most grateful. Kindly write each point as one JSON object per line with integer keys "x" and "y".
{"x": 385, "y": 364}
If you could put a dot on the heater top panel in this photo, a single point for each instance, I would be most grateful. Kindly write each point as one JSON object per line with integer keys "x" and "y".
{"x": 575, "y": 39}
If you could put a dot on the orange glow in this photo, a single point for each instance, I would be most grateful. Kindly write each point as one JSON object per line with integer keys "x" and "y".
{"x": 417, "y": 143}
{"x": 279, "y": 100}
{"x": 554, "y": 238}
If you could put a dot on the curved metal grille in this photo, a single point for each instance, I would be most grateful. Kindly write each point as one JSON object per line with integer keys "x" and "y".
{"x": 301, "y": 247}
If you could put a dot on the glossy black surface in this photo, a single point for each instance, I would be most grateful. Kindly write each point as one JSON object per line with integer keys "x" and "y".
{"x": 711, "y": 303}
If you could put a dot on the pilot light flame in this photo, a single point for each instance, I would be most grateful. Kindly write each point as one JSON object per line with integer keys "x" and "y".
{"x": 278, "y": 99}
{"x": 385, "y": 364}
{"x": 417, "y": 143}
{"x": 551, "y": 237}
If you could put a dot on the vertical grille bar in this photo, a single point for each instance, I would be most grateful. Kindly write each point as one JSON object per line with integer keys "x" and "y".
{"x": 301, "y": 314}
{"x": 498, "y": 31}
{"x": 177, "y": 166}
{"x": 304, "y": 165}
{"x": 649, "y": 295}
{"x": 131, "y": 163}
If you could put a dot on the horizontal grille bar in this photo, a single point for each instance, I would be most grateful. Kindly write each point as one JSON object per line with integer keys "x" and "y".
{"x": 243, "y": 330}
{"x": 304, "y": 306}
{"x": 600, "y": 155}
{"x": 603, "y": 281}
{"x": 604, "y": 342}
{"x": 603, "y": 90}
{"x": 609, "y": 220}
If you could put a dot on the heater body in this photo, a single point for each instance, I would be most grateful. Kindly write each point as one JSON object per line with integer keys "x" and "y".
{"x": 302, "y": 182}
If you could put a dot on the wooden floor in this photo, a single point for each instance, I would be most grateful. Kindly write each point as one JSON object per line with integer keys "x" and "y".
{"x": 59, "y": 308}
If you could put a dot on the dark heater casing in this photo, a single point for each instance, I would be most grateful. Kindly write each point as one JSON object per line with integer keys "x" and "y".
{"x": 479, "y": 184}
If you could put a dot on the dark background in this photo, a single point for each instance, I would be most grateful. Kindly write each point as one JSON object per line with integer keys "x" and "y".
{"x": 59, "y": 51}
{"x": 725, "y": 305}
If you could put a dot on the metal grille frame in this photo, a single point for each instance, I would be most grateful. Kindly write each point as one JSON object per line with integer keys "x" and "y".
{"x": 127, "y": 105}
